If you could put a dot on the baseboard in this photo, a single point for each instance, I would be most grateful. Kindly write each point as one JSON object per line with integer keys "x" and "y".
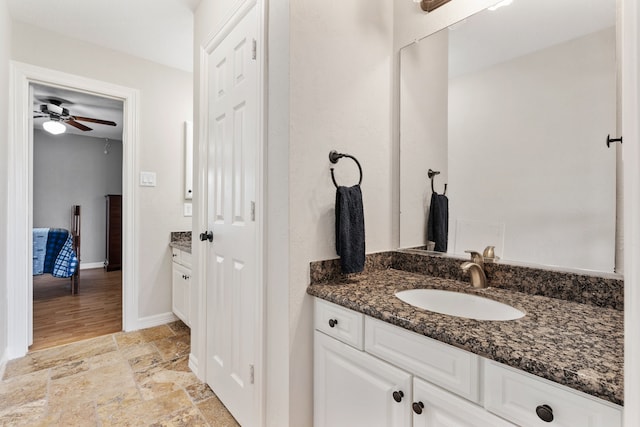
{"x": 156, "y": 320}
{"x": 3, "y": 364}
{"x": 88, "y": 265}
{"x": 193, "y": 364}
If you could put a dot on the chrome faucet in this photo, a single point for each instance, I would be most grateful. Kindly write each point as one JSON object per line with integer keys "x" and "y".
{"x": 475, "y": 267}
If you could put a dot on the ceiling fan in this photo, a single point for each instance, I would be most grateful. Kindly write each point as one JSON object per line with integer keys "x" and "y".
{"x": 58, "y": 114}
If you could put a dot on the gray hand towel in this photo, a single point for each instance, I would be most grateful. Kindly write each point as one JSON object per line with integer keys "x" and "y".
{"x": 350, "y": 229}
{"x": 438, "y": 222}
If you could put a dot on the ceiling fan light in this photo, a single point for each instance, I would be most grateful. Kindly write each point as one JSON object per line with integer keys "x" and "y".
{"x": 53, "y": 127}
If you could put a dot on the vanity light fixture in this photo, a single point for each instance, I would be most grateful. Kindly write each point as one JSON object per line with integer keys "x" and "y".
{"x": 107, "y": 146}
{"x": 429, "y": 5}
{"x": 54, "y": 127}
{"x": 500, "y": 4}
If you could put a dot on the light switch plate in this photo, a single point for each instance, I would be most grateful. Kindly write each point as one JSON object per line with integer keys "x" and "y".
{"x": 187, "y": 209}
{"x": 147, "y": 179}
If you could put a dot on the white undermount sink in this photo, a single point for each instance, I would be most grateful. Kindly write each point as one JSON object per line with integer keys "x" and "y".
{"x": 459, "y": 304}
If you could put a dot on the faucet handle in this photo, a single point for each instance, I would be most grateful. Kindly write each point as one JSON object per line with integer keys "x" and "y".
{"x": 489, "y": 254}
{"x": 476, "y": 257}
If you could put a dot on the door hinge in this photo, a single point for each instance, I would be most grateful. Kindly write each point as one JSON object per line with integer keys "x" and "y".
{"x": 253, "y": 211}
{"x": 254, "y": 49}
{"x": 251, "y": 374}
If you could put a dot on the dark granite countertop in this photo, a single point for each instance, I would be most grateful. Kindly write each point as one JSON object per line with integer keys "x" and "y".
{"x": 183, "y": 246}
{"x": 574, "y": 344}
{"x": 181, "y": 240}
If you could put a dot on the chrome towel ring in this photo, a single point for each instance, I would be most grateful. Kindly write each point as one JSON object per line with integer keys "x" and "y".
{"x": 334, "y": 156}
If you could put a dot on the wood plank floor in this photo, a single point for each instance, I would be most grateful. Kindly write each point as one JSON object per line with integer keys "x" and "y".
{"x": 62, "y": 318}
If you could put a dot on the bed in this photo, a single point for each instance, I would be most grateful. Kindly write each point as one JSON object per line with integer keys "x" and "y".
{"x": 56, "y": 251}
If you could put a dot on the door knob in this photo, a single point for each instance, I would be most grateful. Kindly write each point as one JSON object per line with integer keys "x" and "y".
{"x": 207, "y": 235}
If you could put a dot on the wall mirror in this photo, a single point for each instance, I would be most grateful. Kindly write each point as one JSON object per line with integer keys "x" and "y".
{"x": 513, "y": 107}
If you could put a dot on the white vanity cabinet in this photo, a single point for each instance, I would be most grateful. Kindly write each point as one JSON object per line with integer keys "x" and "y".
{"x": 363, "y": 365}
{"x": 355, "y": 388}
{"x": 181, "y": 285}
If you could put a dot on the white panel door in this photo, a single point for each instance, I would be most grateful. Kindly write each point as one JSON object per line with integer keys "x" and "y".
{"x": 232, "y": 276}
{"x": 353, "y": 388}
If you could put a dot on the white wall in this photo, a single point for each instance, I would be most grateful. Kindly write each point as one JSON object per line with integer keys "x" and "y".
{"x": 540, "y": 168}
{"x": 71, "y": 170}
{"x": 165, "y": 103}
{"x": 5, "y": 54}
{"x": 341, "y": 98}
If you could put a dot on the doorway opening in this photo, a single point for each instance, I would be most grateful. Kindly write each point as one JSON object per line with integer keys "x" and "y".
{"x": 20, "y": 193}
{"x": 76, "y": 174}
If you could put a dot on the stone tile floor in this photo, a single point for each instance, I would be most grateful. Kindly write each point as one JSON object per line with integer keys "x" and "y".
{"x": 136, "y": 378}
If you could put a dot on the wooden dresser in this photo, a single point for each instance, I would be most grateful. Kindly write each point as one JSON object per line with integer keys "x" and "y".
{"x": 114, "y": 232}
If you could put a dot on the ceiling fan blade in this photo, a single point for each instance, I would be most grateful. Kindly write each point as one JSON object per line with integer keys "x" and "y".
{"x": 89, "y": 119}
{"x": 77, "y": 125}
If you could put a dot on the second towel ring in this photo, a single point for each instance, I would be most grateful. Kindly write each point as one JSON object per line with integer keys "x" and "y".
{"x": 334, "y": 156}
{"x": 431, "y": 174}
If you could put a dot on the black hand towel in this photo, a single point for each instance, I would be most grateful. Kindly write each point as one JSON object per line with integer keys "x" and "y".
{"x": 438, "y": 223}
{"x": 350, "y": 229}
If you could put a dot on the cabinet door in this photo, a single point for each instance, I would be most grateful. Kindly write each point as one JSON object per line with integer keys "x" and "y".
{"x": 180, "y": 292}
{"x": 354, "y": 389}
{"x": 439, "y": 408}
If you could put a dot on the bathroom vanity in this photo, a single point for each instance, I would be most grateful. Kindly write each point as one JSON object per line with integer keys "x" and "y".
{"x": 381, "y": 361}
{"x": 181, "y": 276}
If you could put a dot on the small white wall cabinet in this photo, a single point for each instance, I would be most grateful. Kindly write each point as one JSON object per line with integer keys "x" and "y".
{"x": 188, "y": 160}
{"x": 181, "y": 285}
{"x": 370, "y": 373}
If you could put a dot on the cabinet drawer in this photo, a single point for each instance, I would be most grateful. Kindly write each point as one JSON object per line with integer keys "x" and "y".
{"x": 515, "y": 395}
{"x": 441, "y": 364}
{"x": 340, "y": 323}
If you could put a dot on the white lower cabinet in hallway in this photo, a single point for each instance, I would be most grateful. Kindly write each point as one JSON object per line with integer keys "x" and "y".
{"x": 181, "y": 285}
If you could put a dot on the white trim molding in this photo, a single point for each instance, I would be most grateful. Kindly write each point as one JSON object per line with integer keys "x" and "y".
{"x": 630, "y": 92}
{"x": 90, "y": 265}
{"x": 156, "y": 320}
{"x": 19, "y": 217}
